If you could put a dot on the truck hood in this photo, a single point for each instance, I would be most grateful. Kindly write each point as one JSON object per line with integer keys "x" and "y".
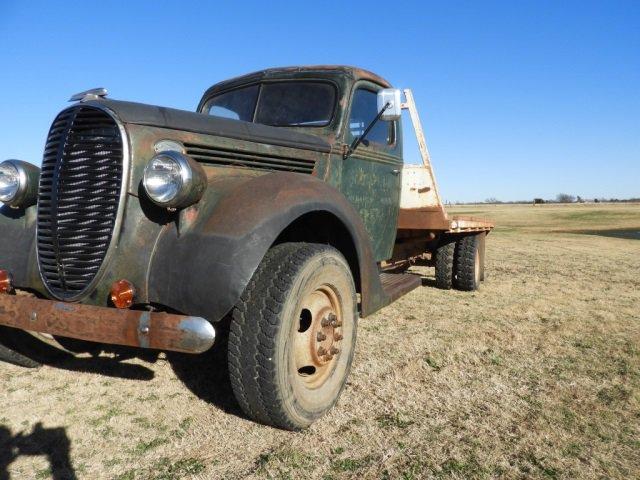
{"x": 155, "y": 116}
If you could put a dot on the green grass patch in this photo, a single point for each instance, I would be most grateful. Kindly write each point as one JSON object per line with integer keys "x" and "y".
{"x": 110, "y": 413}
{"x": 144, "y": 447}
{"x": 393, "y": 421}
{"x": 167, "y": 470}
{"x": 44, "y": 473}
{"x": 468, "y": 468}
{"x": 614, "y": 394}
{"x": 433, "y": 363}
{"x": 350, "y": 464}
{"x": 283, "y": 461}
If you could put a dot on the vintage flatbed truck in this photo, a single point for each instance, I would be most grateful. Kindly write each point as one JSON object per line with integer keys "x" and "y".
{"x": 282, "y": 204}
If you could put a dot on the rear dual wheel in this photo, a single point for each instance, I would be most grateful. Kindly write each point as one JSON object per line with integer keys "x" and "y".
{"x": 467, "y": 266}
{"x": 293, "y": 335}
{"x": 460, "y": 263}
{"x": 445, "y": 255}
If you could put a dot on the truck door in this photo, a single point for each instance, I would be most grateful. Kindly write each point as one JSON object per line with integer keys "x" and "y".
{"x": 371, "y": 175}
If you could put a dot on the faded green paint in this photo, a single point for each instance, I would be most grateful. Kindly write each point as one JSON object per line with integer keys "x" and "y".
{"x": 371, "y": 181}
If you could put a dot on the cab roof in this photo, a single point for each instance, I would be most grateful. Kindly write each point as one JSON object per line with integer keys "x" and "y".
{"x": 354, "y": 72}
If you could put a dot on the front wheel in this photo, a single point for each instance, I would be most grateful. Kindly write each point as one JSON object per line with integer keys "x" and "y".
{"x": 293, "y": 335}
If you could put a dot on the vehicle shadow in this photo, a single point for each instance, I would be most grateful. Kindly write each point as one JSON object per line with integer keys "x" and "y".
{"x": 113, "y": 366}
{"x": 50, "y": 442}
{"x": 207, "y": 374}
{"x": 428, "y": 282}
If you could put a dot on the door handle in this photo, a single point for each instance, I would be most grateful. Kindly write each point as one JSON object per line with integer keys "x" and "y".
{"x": 395, "y": 171}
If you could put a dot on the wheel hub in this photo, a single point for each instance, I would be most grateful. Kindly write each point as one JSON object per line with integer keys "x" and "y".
{"x": 317, "y": 341}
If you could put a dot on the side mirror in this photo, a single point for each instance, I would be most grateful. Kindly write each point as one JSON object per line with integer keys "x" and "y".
{"x": 392, "y": 97}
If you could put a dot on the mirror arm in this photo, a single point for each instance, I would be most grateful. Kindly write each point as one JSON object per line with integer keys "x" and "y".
{"x": 359, "y": 139}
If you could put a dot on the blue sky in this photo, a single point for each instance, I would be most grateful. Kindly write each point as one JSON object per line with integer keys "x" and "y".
{"x": 518, "y": 99}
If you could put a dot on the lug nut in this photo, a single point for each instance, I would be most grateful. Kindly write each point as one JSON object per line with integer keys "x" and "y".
{"x": 321, "y": 351}
{"x": 337, "y": 337}
{"x": 333, "y": 320}
{"x": 335, "y": 351}
{"x": 321, "y": 336}
{"x": 325, "y": 322}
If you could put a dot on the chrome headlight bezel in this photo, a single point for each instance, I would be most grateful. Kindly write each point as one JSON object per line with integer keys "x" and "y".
{"x": 26, "y": 193}
{"x": 191, "y": 180}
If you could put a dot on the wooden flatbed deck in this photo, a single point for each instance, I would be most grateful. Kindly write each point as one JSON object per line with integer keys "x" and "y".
{"x": 436, "y": 219}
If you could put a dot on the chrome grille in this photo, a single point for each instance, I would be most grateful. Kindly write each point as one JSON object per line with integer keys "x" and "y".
{"x": 80, "y": 186}
{"x": 228, "y": 157}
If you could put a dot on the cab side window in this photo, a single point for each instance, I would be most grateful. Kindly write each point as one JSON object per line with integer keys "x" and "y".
{"x": 364, "y": 108}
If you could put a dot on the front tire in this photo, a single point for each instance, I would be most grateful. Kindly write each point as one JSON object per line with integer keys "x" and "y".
{"x": 293, "y": 335}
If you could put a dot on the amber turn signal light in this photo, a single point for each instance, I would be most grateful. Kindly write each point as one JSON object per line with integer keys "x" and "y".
{"x": 122, "y": 293}
{"x": 6, "y": 282}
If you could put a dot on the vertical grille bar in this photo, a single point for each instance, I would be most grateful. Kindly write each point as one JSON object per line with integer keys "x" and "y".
{"x": 80, "y": 186}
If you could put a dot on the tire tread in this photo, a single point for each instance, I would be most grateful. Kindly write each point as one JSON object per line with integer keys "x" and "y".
{"x": 254, "y": 327}
{"x": 464, "y": 264}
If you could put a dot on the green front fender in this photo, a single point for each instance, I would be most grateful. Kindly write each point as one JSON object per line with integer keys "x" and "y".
{"x": 205, "y": 270}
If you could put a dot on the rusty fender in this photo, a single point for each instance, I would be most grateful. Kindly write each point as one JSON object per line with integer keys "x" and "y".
{"x": 133, "y": 328}
{"x": 205, "y": 270}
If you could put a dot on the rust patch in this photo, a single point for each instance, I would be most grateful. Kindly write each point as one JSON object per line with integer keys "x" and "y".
{"x": 96, "y": 324}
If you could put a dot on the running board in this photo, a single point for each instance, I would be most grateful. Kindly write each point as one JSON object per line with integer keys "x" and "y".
{"x": 396, "y": 285}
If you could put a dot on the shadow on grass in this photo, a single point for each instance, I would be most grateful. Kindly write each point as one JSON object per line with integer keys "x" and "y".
{"x": 626, "y": 233}
{"x": 50, "y": 442}
{"x": 428, "y": 282}
{"x": 40, "y": 352}
{"x": 207, "y": 374}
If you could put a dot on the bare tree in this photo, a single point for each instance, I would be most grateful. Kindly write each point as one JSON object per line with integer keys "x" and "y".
{"x": 565, "y": 198}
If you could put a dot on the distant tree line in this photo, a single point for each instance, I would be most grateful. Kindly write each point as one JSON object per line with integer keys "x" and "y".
{"x": 560, "y": 198}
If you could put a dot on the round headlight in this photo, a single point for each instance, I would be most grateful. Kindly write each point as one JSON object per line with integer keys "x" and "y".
{"x": 18, "y": 183}
{"x": 9, "y": 182}
{"x": 172, "y": 180}
{"x": 163, "y": 179}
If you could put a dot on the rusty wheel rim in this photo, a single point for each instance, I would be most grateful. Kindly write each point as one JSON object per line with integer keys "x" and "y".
{"x": 317, "y": 336}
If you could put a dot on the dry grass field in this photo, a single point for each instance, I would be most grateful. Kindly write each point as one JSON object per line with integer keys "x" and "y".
{"x": 537, "y": 375}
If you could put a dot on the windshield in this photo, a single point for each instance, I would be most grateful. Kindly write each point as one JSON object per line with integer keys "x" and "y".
{"x": 279, "y": 104}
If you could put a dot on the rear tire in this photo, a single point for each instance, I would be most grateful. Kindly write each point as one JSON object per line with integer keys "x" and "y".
{"x": 467, "y": 266}
{"x": 444, "y": 265}
{"x": 293, "y": 335}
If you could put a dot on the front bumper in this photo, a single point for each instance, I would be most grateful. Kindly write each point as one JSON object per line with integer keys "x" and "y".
{"x": 157, "y": 330}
